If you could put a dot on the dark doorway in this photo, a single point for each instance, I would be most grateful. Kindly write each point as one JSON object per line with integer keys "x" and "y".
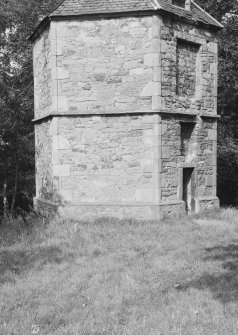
{"x": 189, "y": 189}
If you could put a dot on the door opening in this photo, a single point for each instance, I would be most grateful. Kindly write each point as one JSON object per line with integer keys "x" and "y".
{"x": 189, "y": 189}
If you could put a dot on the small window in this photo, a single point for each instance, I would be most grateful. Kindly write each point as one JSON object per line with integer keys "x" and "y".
{"x": 186, "y": 133}
{"x": 179, "y": 3}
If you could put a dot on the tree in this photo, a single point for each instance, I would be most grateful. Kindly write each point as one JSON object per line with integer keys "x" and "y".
{"x": 17, "y": 21}
{"x": 227, "y": 13}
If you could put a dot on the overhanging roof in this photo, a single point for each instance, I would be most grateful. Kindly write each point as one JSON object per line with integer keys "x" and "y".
{"x": 78, "y": 8}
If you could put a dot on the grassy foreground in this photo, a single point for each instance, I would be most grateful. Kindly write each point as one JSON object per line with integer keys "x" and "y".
{"x": 121, "y": 277}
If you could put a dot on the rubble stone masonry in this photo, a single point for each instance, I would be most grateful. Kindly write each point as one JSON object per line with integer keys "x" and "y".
{"x": 110, "y": 98}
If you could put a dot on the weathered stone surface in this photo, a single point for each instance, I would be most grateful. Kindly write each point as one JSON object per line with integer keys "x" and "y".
{"x": 107, "y": 157}
{"x": 92, "y": 211}
{"x": 119, "y": 91}
{"x": 44, "y": 176}
{"x": 42, "y": 74}
{"x": 189, "y": 68}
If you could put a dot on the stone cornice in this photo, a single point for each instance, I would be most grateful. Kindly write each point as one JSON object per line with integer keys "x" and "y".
{"x": 161, "y": 112}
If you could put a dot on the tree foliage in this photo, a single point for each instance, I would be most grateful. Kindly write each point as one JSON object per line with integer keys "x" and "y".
{"x": 17, "y": 21}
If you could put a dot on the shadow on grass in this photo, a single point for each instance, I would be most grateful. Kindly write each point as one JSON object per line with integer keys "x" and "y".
{"x": 223, "y": 285}
{"x": 15, "y": 262}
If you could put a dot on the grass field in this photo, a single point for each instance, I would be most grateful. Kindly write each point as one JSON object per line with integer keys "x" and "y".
{"x": 178, "y": 276}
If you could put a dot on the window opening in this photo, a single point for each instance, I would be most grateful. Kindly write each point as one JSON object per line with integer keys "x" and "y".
{"x": 186, "y": 133}
{"x": 186, "y": 68}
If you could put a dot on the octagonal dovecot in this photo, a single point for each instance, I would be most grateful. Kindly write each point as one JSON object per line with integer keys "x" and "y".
{"x": 125, "y": 109}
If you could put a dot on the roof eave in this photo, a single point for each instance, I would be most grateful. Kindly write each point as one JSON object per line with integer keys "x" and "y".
{"x": 46, "y": 21}
{"x": 218, "y": 24}
{"x": 105, "y": 14}
{"x": 193, "y": 21}
{"x": 39, "y": 29}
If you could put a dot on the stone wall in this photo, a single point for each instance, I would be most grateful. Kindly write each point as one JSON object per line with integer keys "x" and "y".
{"x": 104, "y": 66}
{"x": 201, "y": 156}
{"x": 108, "y": 158}
{"x": 207, "y": 163}
{"x": 118, "y": 90}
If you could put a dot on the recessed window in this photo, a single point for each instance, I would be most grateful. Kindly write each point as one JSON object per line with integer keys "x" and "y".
{"x": 186, "y": 133}
{"x": 186, "y": 63}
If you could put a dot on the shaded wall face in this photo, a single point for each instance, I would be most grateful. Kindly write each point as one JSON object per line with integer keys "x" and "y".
{"x": 42, "y": 74}
{"x": 189, "y": 85}
{"x": 104, "y": 66}
{"x": 43, "y": 156}
{"x": 200, "y": 154}
{"x": 189, "y": 68}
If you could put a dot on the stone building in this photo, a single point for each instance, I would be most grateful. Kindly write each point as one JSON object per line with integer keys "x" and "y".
{"x": 126, "y": 108}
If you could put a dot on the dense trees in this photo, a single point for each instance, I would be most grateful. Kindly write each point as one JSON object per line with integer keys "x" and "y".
{"x": 227, "y": 13}
{"x": 17, "y": 20}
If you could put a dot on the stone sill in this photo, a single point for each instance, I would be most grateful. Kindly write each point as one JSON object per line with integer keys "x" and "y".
{"x": 175, "y": 112}
{"x": 207, "y": 198}
{"x": 192, "y": 114}
{"x": 213, "y": 116}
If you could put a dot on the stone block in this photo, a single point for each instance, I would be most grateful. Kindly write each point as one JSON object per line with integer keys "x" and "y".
{"x": 53, "y": 62}
{"x": 151, "y": 89}
{"x": 66, "y": 195}
{"x": 137, "y": 71}
{"x": 157, "y": 22}
{"x": 147, "y": 90}
{"x": 148, "y": 138}
{"x": 61, "y": 170}
{"x": 149, "y": 59}
{"x": 144, "y": 195}
{"x": 61, "y": 44}
{"x": 63, "y": 104}
{"x": 62, "y": 73}
{"x": 156, "y": 103}
{"x": 157, "y": 73}
{"x": 54, "y": 129}
{"x": 156, "y": 45}
{"x": 209, "y": 180}
{"x": 55, "y": 157}
{"x": 131, "y": 64}
{"x": 63, "y": 143}
{"x": 147, "y": 119}
{"x": 55, "y": 143}
{"x": 54, "y": 87}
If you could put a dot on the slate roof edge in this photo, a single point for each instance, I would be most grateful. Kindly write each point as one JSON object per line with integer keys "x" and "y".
{"x": 211, "y": 17}
{"x": 46, "y": 21}
{"x": 39, "y": 29}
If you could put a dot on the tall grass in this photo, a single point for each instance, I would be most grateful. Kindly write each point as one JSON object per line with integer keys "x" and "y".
{"x": 175, "y": 276}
